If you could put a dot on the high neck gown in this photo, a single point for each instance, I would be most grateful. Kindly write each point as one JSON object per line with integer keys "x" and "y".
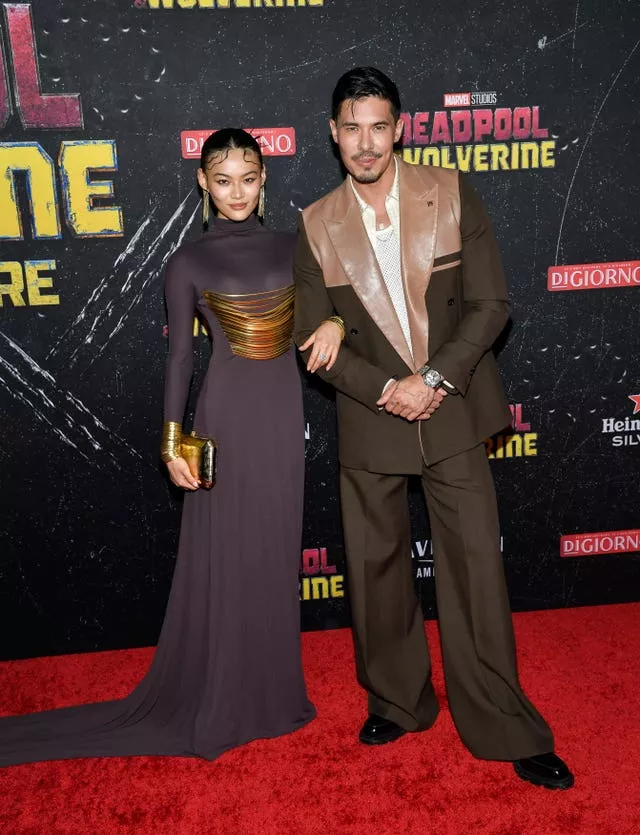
{"x": 227, "y": 666}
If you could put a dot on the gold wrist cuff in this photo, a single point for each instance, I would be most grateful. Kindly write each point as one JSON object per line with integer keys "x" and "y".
{"x": 171, "y": 438}
{"x": 339, "y": 321}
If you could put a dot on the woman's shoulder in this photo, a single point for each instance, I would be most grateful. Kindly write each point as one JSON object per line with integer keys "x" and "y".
{"x": 185, "y": 254}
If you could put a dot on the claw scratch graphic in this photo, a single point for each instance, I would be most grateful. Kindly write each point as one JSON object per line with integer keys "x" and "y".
{"x": 109, "y": 305}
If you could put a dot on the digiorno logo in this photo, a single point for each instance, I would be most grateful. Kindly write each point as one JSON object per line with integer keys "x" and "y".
{"x": 274, "y": 142}
{"x": 472, "y": 134}
{"x": 607, "y": 542}
{"x": 624, "y": 431}
{"x": 594, "y": 276}
{"x": 225, "y": 4}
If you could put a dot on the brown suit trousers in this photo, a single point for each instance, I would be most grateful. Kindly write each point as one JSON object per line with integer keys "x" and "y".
{"x": 494, "y": 718}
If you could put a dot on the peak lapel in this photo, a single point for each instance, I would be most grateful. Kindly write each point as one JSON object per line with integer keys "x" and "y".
{"x": 353, "y": 248}
{"x": 418, "y": 228}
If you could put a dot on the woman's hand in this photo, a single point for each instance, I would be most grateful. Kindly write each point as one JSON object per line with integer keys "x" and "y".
{"x": 326, "y": 341}
{"x": 180, "y": 474}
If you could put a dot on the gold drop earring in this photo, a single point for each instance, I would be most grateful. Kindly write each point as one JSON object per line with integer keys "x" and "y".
{"x": 205, "y": 207}
{"x": 261, "y": 202}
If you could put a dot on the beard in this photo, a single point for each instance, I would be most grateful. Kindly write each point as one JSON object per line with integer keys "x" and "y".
{"x": 367, "y": 177}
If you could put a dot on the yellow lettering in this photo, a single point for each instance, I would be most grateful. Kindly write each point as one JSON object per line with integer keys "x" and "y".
{"x": 35, "y": 282}
{"x": 480, "y": 153}
{"x": 531, "y": 443}
{"x": 445, "y": 162}
{"x": 547, "y": 153}
{"x": 77, "y": 159}
{"x": 319, "y": 588}
{"x": 463, "y": 155}
{"x": 431, "y": 156}
{"x": 499, "y": 157}
{"x": 336, "y": 584}
{"x": 15, "y": 288}
{"x": 412, "y": 155}
{"x": 513, "y": 446}
{"x": 30, "y": 158}
{"x": 530, "y": 155}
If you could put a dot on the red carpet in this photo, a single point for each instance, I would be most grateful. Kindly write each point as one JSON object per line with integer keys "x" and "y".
{"x": 580, "y": 666}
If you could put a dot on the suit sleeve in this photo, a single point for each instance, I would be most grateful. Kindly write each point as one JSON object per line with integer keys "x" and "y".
{"x": 351, "y": 373}
{"x": 181, "y": 301}
{"x": 485, "y": 295}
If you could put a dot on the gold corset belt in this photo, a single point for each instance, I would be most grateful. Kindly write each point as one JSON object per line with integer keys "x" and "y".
{"x": 258, "y": 325}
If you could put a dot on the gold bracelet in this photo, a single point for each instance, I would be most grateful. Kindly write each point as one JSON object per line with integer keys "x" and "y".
{"x": 171, "y": 438}
{"x": 339, "y": 321}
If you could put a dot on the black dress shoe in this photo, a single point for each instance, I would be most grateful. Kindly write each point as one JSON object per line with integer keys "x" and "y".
{"x": 378, "y": 731}
{"x": 546, "y": 770}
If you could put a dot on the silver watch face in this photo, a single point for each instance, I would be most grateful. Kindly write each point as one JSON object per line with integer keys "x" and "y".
{"x": 432, "y": 377}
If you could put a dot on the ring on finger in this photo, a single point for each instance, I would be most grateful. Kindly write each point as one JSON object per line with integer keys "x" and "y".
{"x": 323, "y": 357}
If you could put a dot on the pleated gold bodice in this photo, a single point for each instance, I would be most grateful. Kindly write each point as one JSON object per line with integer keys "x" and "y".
{"x": 259, "y": 326}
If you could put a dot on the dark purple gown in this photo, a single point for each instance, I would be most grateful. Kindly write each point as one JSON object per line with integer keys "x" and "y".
{"x": 227, "y": 668}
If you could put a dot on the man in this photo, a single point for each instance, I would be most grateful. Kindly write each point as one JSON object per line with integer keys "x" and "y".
{"x": 405, "y": 255}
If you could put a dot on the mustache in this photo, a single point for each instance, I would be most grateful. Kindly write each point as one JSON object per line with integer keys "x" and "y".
{"x": 366, "y": 154}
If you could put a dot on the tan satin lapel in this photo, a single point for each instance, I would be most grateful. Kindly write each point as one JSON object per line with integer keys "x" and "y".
{"x": 418, "y": 233}
{"x": 358, "y": 260}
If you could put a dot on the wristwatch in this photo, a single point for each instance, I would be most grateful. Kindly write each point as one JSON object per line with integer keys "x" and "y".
{"x": 430, "y": 377}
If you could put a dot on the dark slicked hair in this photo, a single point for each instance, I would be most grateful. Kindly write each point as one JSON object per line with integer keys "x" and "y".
{"x": 362, "y": 82}
{"x": 225, "y": 140}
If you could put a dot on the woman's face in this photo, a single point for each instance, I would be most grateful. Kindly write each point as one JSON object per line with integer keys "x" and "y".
{"x": 233, "y": 178}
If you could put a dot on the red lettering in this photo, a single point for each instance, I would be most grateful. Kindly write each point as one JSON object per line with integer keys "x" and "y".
{"x": 503, "y": 123}
{"x": 407, "y": 132}
{"x": 37, "y": 110}
{"x": 537, "y": 132}
{"x": 461, "y": 122}
{"x": 441, "y": 131}
{"x": 420, "y": 129}
{"x": 482, "y": 123}
{"x": 522, "y": 122}
{"x": 324, "y": 566}
{"x": 310, "y": 562}
{"x": 517, "y": 423}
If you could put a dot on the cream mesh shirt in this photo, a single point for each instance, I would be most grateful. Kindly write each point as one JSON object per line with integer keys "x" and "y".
{"x": 386, "y": 246}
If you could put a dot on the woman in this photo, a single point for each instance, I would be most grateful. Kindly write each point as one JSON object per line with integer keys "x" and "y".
{"x": 227, "y": 667}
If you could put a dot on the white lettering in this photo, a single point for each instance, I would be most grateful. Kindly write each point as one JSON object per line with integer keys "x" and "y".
{"x": 283, "y": 143}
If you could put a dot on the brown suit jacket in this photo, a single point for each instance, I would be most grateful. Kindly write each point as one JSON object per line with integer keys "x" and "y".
{"x": 457, "y": 303}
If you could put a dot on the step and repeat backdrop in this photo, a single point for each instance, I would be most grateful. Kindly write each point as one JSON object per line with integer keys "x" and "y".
{"x": 103, "y": 109}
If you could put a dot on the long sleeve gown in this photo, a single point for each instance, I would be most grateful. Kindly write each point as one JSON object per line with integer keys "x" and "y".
{"x": 227, "y": 667}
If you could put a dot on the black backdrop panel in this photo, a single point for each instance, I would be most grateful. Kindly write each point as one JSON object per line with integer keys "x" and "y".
{"x": 544, "y": 118}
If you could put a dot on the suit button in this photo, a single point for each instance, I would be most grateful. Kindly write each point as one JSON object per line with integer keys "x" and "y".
{"x": 450, "y": 302}
{"x": 354, "y": 331}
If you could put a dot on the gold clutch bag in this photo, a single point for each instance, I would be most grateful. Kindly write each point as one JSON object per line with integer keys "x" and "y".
{"x": 201, "y": 455}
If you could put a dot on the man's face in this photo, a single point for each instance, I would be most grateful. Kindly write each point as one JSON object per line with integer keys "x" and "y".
{"x": 365, "y": 133}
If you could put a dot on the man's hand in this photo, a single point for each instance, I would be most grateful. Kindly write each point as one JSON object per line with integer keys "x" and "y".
{"x": 440, "y": 395}
{"x": 410, "y": 399}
